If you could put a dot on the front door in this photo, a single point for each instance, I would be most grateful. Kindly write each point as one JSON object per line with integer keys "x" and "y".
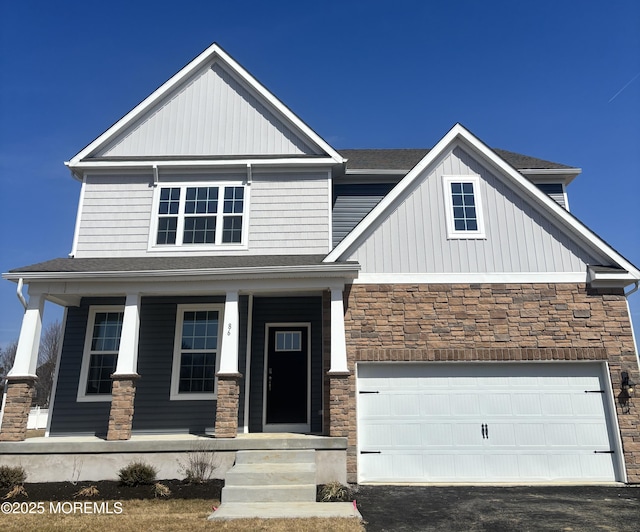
{"x": 287, "y": 378}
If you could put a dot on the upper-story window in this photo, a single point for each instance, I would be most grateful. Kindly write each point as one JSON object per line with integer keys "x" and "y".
{"x": 463, "y": 207}
{"x": 189, "y": 215}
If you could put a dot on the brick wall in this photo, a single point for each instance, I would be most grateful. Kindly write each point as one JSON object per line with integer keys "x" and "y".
{"x": 491, "y": 322}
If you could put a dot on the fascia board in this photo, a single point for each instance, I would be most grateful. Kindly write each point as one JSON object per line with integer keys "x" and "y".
{"x": 210, "y": 54}
{"x": 461, "y": 134}
{"x": 204, "y": 163}
{"x": 348, "y": 270}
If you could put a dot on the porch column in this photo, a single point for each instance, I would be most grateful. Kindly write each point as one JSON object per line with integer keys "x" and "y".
{"x": 338, "y": 340}
{"x": 228, "y": 375}
{"x": 22, "y": 377}
{"x": 123, "y": 391}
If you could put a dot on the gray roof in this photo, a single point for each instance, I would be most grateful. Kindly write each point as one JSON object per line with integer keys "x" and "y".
{"x": 405, "y": 159}
{"x": 135, "y": 264}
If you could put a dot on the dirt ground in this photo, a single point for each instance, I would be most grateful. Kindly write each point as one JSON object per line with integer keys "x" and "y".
{"x": 111, "y": 490}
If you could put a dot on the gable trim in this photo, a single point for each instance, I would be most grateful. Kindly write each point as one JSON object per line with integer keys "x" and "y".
{"x": 458, "y": 133}
{"x": 210, "y": 54}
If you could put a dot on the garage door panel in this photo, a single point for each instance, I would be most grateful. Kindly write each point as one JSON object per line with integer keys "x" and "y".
{"x": 483, "y": 422}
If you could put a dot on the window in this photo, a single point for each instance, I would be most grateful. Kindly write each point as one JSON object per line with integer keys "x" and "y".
{"x": 195, "y": 357}
{"x": 464, "y": 210}
{"x": 288, "y": 340}
{"x": 200, "y": 215}
{"x": 102, "y": 342}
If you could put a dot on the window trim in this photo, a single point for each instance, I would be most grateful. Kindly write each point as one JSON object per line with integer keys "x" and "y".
{"x": 181, "y": 247}
{"x": 82, "y": 395}
{"x": 452, "y": 233}
{"x": 174, "y": 394}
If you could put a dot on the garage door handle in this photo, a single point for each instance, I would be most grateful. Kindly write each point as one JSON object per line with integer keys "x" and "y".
{"x": 485, "y": 431}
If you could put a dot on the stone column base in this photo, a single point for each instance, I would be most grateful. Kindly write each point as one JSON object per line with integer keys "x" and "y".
{"x": 339, "y": 401}
{"x": 16, "y": 409}
{"x": 227, "y": 406}
{"x": 123, "y": 393}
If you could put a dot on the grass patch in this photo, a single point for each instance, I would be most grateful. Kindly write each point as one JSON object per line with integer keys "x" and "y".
{"x": 175, "y": 515}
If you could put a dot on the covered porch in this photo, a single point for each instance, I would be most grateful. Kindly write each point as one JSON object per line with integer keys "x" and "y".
{"x": 262, "y": 310}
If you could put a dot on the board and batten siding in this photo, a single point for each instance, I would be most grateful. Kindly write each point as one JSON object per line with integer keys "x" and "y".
{"x": 413, "y": 237}
{"x": 115, "y": 217}
{"x": 211, "y": 113}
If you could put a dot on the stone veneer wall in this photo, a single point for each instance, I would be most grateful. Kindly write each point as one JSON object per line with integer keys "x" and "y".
{"x": 123, "y": 394}
{"x": 20, "y": 392}
{"x": 227, "y": 406}
{"x": 489, "y": 322}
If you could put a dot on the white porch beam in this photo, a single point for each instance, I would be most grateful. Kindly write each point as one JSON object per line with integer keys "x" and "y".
{"x": 26, "y": 360}
{"x": 128, "y": 352}
{"x": 230, "y": 335}
{"x": 338, "y": 340}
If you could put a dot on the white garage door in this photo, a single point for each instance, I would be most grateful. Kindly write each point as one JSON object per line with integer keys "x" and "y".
{"x": 489, "y": 422}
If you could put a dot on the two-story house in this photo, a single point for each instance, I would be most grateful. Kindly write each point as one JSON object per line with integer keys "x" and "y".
{"x": 232, "y": 273}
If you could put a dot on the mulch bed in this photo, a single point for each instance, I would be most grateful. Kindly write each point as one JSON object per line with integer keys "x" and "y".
{"x": 113, "y": 490}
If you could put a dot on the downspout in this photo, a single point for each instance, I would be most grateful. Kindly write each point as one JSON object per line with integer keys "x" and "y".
{"x": 19, "y": 294}
{"x": 637, "y": 283}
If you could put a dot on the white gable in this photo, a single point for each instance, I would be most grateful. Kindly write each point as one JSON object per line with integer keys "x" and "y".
{"x": 211, "y": 113}
{"x": 213, "y": 108}
{"x": 526, "y": 231}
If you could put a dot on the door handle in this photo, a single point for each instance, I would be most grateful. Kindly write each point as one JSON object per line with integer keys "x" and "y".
{"x": 485, "y": 431}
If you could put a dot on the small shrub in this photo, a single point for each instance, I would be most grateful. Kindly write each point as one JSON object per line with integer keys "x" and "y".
{"x": 137, "y": 473}
{"x": 333, "y": 492}
{"x": 199, "y": 465}
{"x": 160, "y": 490}
{"x": 12, "y": 476}
{"x": 88, "y": 492}
{"x": 18, "y": 489}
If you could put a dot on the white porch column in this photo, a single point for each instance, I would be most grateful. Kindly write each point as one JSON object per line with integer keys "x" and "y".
{"x": 338, "y": 340}
{"x": 26, "y": 360}
{"x": 230, "y": 335}
{"x": 128, "y": 352}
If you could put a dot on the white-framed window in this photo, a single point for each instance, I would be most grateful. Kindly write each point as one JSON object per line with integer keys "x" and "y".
{"x": 102, "y": 341}
{"x": 463, "y": 207}
{"x": 196, "y": 352}
{"x": 200, "y": 216}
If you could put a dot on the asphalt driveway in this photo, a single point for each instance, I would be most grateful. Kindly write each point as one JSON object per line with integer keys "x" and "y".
{"x": 497, "y": 509}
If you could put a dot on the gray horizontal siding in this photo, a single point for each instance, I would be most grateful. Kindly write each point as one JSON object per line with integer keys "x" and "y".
{"x": 519, "y": 238}
{"x": 212, "y": 113}
{"x": 285, "y": 310}
{"x": 115, "y": 218}
{"x": 351, "y": 203}
{"x": 555, "y": 191}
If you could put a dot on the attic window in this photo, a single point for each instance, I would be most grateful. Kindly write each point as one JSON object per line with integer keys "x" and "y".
{"x": 190, "y": 216}
{"x": 463, "y": 207}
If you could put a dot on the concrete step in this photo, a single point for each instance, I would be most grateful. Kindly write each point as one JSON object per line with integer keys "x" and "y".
{"x": 284, "y": 494}
{"x": 262, "y": 474}
{"x": 276, "y": 456}
{"x": 270, "y": 510}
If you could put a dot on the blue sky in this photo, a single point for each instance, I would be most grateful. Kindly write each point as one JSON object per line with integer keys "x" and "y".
{"x": 558, "y": 80}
